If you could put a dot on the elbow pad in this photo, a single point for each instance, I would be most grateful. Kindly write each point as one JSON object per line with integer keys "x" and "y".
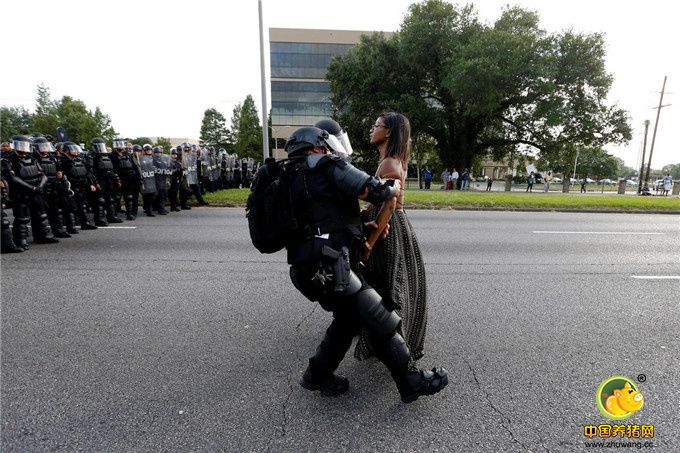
{"x": 380, "y": 191}
{"x": 349, "y": 179}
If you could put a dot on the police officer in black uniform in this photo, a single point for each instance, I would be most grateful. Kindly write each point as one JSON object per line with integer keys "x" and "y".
{"x": 27, "y": 181}
{"x": 109, "y": 184}
{"x": 163, "y": 171}
{"x": 175, "y": 178}
{"x": 83, "y": 184}
{"x": 324, "y": 257}
{"x": 129, "y": 175}
{"x": 54, "y": 193}
{"x": 8, "y": 245}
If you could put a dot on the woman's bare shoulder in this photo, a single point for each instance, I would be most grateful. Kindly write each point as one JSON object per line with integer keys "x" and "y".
{"x": 391, "y": 168}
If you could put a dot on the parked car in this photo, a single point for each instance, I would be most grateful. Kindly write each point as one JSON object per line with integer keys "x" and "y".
{"x": 556, "y": 180}
{"x": 605, "y": 182}
{"x": 573, "y": 180}
{"x": 658, "y": 184}
{"x": 631, "y": 183}
{"x": 590, "y": 181}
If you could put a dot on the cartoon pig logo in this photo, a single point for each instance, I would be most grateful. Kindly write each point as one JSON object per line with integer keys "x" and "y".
{"x": 618, "y": 398}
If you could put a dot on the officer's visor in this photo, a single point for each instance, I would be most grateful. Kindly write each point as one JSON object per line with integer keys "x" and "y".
{"x": 119, "y": 144}
{"x": 99, "y": 147}
{"x": 344, "y": 140}
{"x": 336, "y": 146}
{"x": 21, "y": 146}
{"x": 45, "y": 147}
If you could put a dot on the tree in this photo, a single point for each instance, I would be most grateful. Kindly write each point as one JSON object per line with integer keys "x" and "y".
{"x": 214, "y": 130}
{"x": 14, "y": 121}
{"x": 45, "y": 120}
{"x": 164, "y": 142}
{"x": 141, "y": 141}
{"x": 478, "y": 89}
{"x": 592, "y": 161}
{"x": 673, "y": 169}
{"x": 246, "y": 129}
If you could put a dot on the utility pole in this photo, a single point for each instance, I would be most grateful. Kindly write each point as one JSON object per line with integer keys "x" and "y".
{"x": 265, "y": 129}
{"x": 642, "y": 162}
{"x": 658, "y": 112}
{"x": 575, "y": 162}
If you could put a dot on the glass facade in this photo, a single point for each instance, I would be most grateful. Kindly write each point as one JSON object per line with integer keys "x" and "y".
{"x": 301, "y": 103}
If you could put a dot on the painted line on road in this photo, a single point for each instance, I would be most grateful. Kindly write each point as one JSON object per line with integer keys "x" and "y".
{"x": 657, "y": 277}
{"x": 595, "y": 232}
{"x": 117, "y": 227}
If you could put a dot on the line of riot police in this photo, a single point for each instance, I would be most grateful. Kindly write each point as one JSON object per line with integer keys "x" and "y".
{"x": 51, "y": 187}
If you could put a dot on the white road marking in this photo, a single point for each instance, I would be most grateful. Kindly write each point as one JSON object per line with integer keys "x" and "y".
{"x": 595, "y": 232}
{"x": 657, "y": 277}
{"x": 118, "y": 227}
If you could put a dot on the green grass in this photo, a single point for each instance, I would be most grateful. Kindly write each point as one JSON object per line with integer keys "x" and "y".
{"x": 436, "y": 199}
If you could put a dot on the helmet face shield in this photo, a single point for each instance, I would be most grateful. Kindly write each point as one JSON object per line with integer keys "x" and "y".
{"x": 71, "y": 148}
{"x": 44, "y": 147}
{"x": 336, "y": 147}
{"x": 21, "y": 146}
{"x": 119, "y": 144}
{"x": 344, "y": 140}
{"x": 99, "y": 147}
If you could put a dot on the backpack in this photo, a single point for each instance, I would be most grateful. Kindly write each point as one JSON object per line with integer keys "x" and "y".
{"x": 269, "y": 208}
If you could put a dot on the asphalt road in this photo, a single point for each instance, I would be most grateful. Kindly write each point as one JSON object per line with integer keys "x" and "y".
{"x": 179, "y": 336}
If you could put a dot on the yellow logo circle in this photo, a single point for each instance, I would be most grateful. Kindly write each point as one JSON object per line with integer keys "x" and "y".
{"x": 618, "y": 398}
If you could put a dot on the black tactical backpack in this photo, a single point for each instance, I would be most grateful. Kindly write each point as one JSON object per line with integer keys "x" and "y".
{"x": 269, "y": 208}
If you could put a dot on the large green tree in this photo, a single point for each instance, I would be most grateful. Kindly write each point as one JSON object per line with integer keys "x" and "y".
{"x": 479, "y": 89}
{"x": 214, "y": 130}
{"x": 14, "y": 121}
{"x": 246, "y": 129}
{"x": 673, "y": 169}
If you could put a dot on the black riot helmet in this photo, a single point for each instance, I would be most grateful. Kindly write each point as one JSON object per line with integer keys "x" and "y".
{"x": 156, "y": 149}
{"x": 136, "y": 148}
{"x": 312, "y": 137}
{"x": 21, "y": 144}
{"x": 333, "y": 128}
{"x": 147, "y": 147}
{"x": 71, "y": 148}
{"x": 306, "y": 138}
{"x": 98, "y": 145}
{"x": 42, "y": 146}
{"x": 118, "y": 143}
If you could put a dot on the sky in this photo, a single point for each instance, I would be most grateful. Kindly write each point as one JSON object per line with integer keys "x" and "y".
{"x": 154, "y": 67}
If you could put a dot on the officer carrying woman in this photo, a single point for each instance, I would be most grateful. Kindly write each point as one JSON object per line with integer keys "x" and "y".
{"x": 325, "y": 265}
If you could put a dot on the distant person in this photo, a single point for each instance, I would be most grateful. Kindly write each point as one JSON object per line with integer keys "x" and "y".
{"x": 488, "y": 184}
{"x": 454, "y": 179}
{"x": 445, "y": 178}
{"x": 583, "y": 185}
{"x": 427, "y": 176}
{"x": 465, "y": 180}
{"x": 530, "y": 182}
{"x": 667, "y": 184}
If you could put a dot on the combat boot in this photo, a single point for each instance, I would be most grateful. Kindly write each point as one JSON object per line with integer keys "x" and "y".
{"x": 8, "y": 245}
{"x": 332, "y": 385}
{"x": 70, "y": 222}
{"x": 411, "y": 382}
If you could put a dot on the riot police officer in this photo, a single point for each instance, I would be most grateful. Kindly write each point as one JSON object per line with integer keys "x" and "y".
{"x": 175, "y": 178}
{"x": 27, "y": 181}
{"x": 148, "y": 189}
{"x": 129, "y": 175}
{"x": 8, "y": 245}
{"x": 324, "y": 255}
{"x": 190, "y": 177}
{"x": 163, "y": 172}
{"x": 83, "y": 183}
{"x": 54, "y": 193}
{"x": 109, "y": 184}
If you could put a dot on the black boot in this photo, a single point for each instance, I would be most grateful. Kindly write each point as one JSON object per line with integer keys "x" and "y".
{"x": 319, "y": 374}
{"x": 411, "y": 382}
{"x": 85, "y": 223}
{"x": 57, "y": 224}
{"x": 70, "y": 221}
{"x": 20, "y": 230}
{"x": 100, "y": 214}
{"x": 43, "y": 230}
{"x": 8, "y": 245}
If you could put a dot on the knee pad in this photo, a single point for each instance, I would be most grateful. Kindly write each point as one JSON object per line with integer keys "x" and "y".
{"x": 375, "y": 315}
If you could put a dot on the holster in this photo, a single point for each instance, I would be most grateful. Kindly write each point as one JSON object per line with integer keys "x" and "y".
{"x": 338, "y": 264}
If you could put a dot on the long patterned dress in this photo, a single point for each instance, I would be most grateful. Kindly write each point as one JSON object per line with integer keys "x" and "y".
{"x": 396, "y": 270}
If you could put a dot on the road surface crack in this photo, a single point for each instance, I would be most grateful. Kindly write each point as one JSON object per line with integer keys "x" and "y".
{"x": 495, "y": 409}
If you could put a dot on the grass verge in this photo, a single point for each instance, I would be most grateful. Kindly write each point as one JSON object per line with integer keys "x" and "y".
{"x": 434, "y": 199}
